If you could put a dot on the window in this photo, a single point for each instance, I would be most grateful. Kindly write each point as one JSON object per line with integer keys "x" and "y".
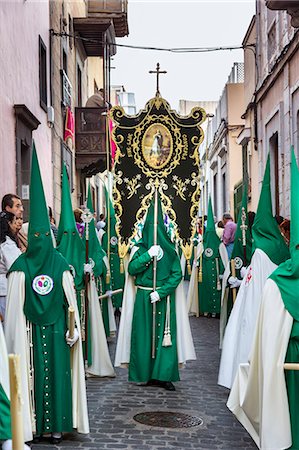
{"x": 275, "y": 171}
{"x": 64, "y": 61}
{"x": 224, "y": 192}
{"x": 42, "y": 74}
{"x": 79, "y": 86}
{"x": 71, "y": 32}
{"x": 67, "y": 159}
{"x": 215, "y": 194}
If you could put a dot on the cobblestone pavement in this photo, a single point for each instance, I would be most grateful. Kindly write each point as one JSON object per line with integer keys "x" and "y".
{"x": 114, "y": 402}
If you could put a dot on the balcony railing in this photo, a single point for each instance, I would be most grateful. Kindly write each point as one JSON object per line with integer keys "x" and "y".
{"x": 90, "y": 126}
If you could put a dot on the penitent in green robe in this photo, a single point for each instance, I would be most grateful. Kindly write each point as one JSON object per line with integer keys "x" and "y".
{"x": 5, "y": 426}
{"x": 292, "y": 381}
{"x": 164, "y": 366}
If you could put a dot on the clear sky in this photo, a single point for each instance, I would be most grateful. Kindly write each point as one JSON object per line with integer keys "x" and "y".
{"x": 173, "y": 24}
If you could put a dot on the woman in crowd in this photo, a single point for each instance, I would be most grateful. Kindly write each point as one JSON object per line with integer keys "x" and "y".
{"x": 9, "y": 252}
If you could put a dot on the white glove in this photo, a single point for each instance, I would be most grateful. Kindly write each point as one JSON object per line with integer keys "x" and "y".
{"x": 154, "y": 296}
{"x": 7, "y": 445}
{"x": 87, "y": 268}
{"x": 154, "y": 250}
{"x": 108, "y": 293}
{"x": 72, "y": 341}
{"x": 220, "y": 277}
{"x": 243, "y": 271}
{"x": 234, "y": 282}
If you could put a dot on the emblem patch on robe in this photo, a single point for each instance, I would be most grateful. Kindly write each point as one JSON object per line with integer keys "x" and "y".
{"x": 238, "y": 262}
{"x": 160, "y": 254}
{"x": 208, "y": 252}
{"x": 113, "y": 240}
{"x": 42, "y": 284}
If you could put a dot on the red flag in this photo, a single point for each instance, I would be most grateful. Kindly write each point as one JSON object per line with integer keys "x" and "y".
{"x": 112, "y": 143}
{"x": 69, "y": 125}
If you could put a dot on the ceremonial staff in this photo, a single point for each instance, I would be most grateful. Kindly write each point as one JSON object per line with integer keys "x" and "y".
{"x": 155, "y": 271}
{"x": 244, "y": 229}
{"x": 87, "y": 218}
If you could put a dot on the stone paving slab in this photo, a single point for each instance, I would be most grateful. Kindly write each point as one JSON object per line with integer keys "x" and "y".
{"x": 113, "y": 403}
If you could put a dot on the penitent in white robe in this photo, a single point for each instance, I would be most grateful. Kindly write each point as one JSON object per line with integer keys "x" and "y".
{"x": 258, "y": 397}
{"x": 242, "y": 321}
{"x": 17, "y": 342}
{"x": 101, "y": 363}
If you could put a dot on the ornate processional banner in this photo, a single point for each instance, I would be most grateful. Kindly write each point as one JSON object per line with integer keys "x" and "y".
{"x": 157, "y": 148}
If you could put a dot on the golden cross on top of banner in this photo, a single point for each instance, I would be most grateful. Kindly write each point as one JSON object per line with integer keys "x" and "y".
{"x": 158, "y": 72}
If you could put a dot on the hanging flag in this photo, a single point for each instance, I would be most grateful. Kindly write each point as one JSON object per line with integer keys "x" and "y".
{"x": 69, "y": 129}
{"x": 112, "y": 143}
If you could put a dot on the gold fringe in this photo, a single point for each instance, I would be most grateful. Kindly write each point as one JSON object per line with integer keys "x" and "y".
{"x": 121, "y": 265}
{"x": 188, "y": 267}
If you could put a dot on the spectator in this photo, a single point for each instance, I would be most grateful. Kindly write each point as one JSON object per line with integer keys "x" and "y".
{"x": 12, "y": 203}
{"x": 229, "y": 232}
{"x": 79, "y": 222}
{"x": 9, "y": 252}
{"x": 52, "y": 223}
{"x": 101, "y": 223}
{"x": 220, "y": 229}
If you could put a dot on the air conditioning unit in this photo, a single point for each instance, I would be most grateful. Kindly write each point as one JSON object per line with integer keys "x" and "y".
{"x": 50, "y": 116}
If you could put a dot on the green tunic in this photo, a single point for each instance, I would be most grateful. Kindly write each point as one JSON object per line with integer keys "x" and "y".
{"x": 52, "y": 377}
{"x": 292, "y": 381}
{"x": 209, "y": 290}
{"x": 164, "y": 366}
{"x": 5, "y": 427}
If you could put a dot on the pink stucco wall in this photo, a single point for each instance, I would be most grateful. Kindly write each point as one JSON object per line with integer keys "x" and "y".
{"x": 21, "y": 23}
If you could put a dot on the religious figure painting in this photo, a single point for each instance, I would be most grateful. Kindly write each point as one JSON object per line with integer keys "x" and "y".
{"x": 157, "y": 146}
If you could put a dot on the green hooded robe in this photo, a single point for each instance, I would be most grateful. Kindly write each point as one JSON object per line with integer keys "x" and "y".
{"x": 164, "y": 366}
{"x": 209, "y": 290}
{"x": 46, "y": 309}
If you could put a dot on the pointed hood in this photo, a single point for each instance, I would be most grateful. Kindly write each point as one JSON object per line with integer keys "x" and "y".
{"x": 163, "y": 239}
{"x": 265, "y": 231}
{"x": 286, "y": 276}
{"x": 69, "y": 242}
{"x": 168, "y": 255}
{"x": 95, "y": 251}
{"x": 211, "y": 241}
{"x": 42, "y": 264}
{"x": 239, "y": 251}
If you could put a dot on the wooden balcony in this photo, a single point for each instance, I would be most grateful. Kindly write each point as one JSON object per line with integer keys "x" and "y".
{"x": 90, "y": 127}
{"x": 115, "y": 10}
{"x": 291, "y": 6}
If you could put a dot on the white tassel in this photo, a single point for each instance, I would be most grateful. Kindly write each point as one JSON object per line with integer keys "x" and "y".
{"x": 167, "y": 340}
{"x": 167, "y": 336}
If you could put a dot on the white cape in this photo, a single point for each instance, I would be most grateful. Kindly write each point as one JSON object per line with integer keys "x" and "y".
{"x": 4, "y": 374}
{"x": 17, "y": 342}
{"x": 101, "y": 362}
{"x": 241, "y": 324}
{"x": 259, "y": 396}
{"x": 185, "y": 345}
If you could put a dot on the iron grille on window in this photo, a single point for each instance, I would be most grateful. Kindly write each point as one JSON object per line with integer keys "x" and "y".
{"x": 66, "y": 89}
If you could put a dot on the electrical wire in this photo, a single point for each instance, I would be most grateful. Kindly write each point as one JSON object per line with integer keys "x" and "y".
{"x": 160, "y": 49}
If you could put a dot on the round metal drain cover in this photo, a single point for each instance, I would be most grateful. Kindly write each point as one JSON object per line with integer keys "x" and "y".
{"x": 168, "y": 419}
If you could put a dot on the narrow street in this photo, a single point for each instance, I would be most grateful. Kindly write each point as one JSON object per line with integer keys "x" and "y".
{"x": 114, "y": 402}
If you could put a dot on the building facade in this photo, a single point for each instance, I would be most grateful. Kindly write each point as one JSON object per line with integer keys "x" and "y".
{"x": 220, "y": 152}
{"x": 25, "y": 92}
